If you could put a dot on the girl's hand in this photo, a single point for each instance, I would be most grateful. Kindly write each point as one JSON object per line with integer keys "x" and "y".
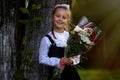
{"x": 66, "y": 61}
{"x": 70, "y": 60}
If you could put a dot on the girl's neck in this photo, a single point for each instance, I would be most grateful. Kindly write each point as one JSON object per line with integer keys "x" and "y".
{"x": 59, "y": 30}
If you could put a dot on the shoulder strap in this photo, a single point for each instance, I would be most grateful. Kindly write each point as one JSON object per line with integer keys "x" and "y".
{"x": 51, "y": 40}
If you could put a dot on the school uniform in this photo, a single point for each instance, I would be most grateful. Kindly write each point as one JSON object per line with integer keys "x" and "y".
{"x": 50, "y": 52}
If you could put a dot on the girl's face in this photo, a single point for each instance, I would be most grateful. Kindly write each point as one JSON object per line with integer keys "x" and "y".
{"x": 60, "y": 18}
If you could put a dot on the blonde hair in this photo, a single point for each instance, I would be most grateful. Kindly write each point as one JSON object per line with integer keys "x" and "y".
{"x": 68, "y": 17}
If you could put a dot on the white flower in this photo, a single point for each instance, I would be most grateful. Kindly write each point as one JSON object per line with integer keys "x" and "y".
{"x": 77, "y": 29}
{"x": 85, "y": 39}
{"x": 83, "y": 33}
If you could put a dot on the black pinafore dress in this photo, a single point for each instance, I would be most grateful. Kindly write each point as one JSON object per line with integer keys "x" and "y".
{"x": 69, "y": 71}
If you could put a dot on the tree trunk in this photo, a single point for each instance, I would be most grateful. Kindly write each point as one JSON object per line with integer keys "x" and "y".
{"x": 7, "y": 46}
{"x": 43, "y": 27}
{"x": 19, "y": 33}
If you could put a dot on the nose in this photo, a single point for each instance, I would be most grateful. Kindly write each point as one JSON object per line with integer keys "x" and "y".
{"x": 60, "y": 18}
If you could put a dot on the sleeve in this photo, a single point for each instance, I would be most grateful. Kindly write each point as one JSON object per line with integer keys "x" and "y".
{"x": 43, "y": 54}
{"x": 76, "y": 59}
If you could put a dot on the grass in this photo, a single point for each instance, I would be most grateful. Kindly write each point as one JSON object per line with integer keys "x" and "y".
{"x": 93, "y": 74}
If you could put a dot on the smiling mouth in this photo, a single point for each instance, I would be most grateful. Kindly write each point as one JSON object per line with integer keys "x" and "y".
{"x": 59, "y": 23}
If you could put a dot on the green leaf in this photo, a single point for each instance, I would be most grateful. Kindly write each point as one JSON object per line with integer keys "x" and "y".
{"x": 24, "y": 10}
{"x": 26, "y": 62}
{"x": 36, "y": 6}
{"x": 28, "y": 52}
{"x": 24, "y": 21}
{"x": 37, "y": 19}
{"x": 18, "y": 75}
{"x": 25, "y": 42}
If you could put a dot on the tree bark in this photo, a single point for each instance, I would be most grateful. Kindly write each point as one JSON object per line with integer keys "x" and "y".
{"x": 43, "y": 27}
{"x": 19, "y": 33}
{"x": 7, "y": 46}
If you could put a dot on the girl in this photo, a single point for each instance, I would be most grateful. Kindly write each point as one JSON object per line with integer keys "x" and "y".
{"x": 51, "y": 51}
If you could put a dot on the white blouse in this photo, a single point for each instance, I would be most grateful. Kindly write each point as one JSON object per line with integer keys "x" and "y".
{"x": 61, "y": 41}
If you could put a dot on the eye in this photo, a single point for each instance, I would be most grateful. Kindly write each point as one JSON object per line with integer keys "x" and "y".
{"x": 58, "y": 16}
{"x": 64, "y": 17}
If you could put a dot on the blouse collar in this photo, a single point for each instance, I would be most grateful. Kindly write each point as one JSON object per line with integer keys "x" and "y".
{"x": 61, "y": 40}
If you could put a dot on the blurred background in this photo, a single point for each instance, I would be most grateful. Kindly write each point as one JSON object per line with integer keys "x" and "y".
{"x": 106, "y": 53}
{"x": 18, "y": 40}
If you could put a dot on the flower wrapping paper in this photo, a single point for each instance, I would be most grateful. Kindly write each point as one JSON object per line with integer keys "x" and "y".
{"x": 82, "y": 37}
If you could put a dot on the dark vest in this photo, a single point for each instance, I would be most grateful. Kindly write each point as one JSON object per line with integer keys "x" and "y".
{"x": 69, "y": 72}
{"x": 54, "y": 51}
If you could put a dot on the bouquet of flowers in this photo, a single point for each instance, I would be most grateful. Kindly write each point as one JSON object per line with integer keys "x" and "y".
{"x": 82, "y": 37}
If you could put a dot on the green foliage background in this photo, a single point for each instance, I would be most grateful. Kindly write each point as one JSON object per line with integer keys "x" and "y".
{"x": 104, "y": 58}
{"x": 105, "y": 13}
